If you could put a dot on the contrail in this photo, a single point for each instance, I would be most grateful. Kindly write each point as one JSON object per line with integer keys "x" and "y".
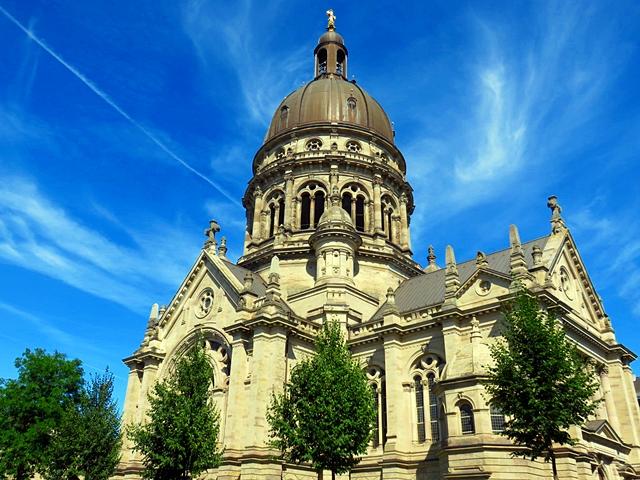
{"x": 115, "y": 106}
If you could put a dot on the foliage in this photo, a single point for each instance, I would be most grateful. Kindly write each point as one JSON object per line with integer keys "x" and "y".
{"x": 32, "y": 407}
{"x": 88, "y": 440}
{"x": 179, "y": 441}
{"x": 326, "y": 412}
{"x": 539, "y": 380}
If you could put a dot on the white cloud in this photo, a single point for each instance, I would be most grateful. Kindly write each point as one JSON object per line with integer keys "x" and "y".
{"x": 39, "y": 235}
{"x": 238, "y": 38}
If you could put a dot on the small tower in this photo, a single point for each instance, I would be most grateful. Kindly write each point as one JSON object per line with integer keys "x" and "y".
{"x": 335, "y": 243}
{"x": 331, "y": 54}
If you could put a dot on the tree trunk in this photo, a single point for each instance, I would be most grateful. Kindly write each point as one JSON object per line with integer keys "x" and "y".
{"x": 553, "y": 464}
{"x": 333, "y": 475}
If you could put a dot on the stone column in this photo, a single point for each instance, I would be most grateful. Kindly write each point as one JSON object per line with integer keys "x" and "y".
{"x": 288, "y": 197}
{"x": 294, "y": 214}
{"x": 257, "y": 213}
{"x": 377, "y": 204}
{"x": 367, "y": 219}
{"x": 131, "y": 402}
{"x": 264, "y": 227}
{"x": 236, "y": 406}
{"x": 353, "y": 210}
{"x": 404, "y": 223}
{"x": 609, "y": 401}
{"x": 399, "y": 425}
{"x": 312, "y": 212}
{"x": 148, "y": 380}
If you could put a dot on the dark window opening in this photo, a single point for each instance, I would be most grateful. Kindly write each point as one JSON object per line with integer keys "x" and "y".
{"x": 360, "y": 213}
{"x": 272, "y": 219}
{"x": 466, "y": 419}
{"x": 376, "y": 427}
{"x": 346, "y": 202}
{"x": 281, "y": 212}
{"x": 305, "y": 213}
{"x": 319, "y": 207}
{"x": 322, "y": 61}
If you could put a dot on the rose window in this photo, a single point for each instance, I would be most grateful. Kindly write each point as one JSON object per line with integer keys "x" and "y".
{"x": 205, "y": 302}
{"x": 314, "y": 145}
{"x": 353, "y": 146}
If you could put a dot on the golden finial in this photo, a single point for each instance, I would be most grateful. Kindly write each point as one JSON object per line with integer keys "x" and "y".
{"x": 331, "y": 22}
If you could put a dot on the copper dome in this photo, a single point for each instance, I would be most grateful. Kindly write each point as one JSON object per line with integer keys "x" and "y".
{"x": 327, "y": 100}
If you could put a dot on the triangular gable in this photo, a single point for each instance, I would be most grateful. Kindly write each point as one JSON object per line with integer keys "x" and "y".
{"x": 604, "y": 429}
{"x": 216, "y": 271}
{"x": 580, "y": 293}
{"x": 472, "y": 284}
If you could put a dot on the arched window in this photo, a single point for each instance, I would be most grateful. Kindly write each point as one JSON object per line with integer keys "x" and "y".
{"x": 275, "y": 210}
{"x": 346, "y": 202}
{"x": 305, "y": 211}
{"x": 422, "y": 434}
{"x": 281, "y": 212}
{"x": 376, "y": 429}
{"x": 319, "y": 210}
{"x": 375, "y": 375}
{"x": 466, "y": 419}
{"x": 387, "y": 211}
{"x": 322, "y": 61}
{"x": 272, "y": 219}
{"x": 312, "y": 204}
{"x": 433, "y": 408}
{"x": 359, "y": 221}
{"x": 340, "y": 70}
{"x": 497, "y": 419}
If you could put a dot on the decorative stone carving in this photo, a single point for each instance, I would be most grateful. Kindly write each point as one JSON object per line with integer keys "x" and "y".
{"x": 204, "y": 303}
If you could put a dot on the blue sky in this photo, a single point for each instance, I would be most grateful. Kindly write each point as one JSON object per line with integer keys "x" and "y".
{"x": 125, "y": 126}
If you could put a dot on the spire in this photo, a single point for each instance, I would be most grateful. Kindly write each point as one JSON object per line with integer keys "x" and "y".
{"x": 451, "y": 277}
{"x": 517, "y": 262}
{"x": 222, "y": 251}
{"x": 557, "y": 222}
{"x": 431, "y": 259}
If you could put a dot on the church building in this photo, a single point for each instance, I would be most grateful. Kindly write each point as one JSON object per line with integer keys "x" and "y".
{"x": 328, "y": 238}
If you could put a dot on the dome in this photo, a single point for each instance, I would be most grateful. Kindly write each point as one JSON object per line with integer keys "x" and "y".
{"x": 329, "y": 100}
{"x": 335, "y": 217}
{"x": 331, "y": 36}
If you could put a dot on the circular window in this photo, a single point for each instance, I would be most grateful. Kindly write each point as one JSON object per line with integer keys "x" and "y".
{"x": 314, "y": 145}
{"x": 483, "y": 287}
{"x": 566, "y": 285}
{"x": 353, "y": 146}
{"x": 205, "y": 303}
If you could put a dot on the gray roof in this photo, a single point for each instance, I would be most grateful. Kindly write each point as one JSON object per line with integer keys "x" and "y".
{"x": 427, "y": 290}
{"x": 636, "y": 384}
{"x": 258, "y": 287}
{"x": 594, "y": 425}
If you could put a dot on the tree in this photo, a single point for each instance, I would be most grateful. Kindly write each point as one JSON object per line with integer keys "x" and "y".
{"x": 32, "y": 407}
{"x": 179, "y": 441}
{"x": 326, "y": 413}
{"x": 539, "y": 380}
{"x": 88, "y": 439}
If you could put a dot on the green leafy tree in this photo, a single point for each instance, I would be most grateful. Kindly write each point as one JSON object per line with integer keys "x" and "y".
{"x": 179, "y": 441}
{"x": 326, "y": 413}
{"x": 88, "y": 439}
{"x": 32, "y": 407}
{"x": 539, "y": 380}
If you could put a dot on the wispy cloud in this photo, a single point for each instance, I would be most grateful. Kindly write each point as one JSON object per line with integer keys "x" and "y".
{"x": 524, "y": 99}
{"x": 109, "y": 101}
{"x": 39, "y": 235}
{"x": 238, "y": 38}
{"x": 57, "y": 335}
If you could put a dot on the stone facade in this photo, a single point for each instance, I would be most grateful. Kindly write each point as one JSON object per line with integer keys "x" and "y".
{"x": 328, "y": 238}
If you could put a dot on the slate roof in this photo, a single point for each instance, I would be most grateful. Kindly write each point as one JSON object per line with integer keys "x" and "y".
{"x": 594, "y": 425}
{"x": 258, "y": 287}
{"x": 427, "y": 290}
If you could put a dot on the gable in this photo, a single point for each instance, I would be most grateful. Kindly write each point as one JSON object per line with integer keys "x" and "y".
{"x": 573, "y": 286}
{"x": 209, "y": 294}
{"x": 484, "y": 285}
